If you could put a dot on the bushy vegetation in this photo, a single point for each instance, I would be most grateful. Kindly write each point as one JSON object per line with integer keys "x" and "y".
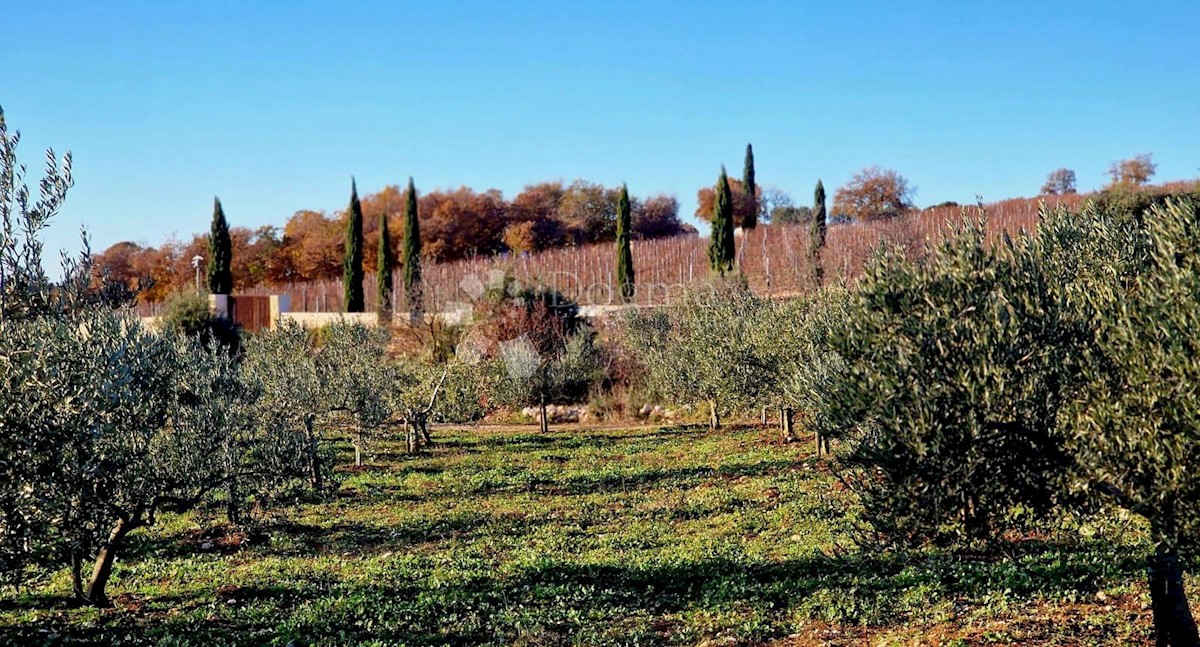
{"x": 190, "y": 315}
{"x": 608, "y": 537}
{"x": 986, "y": 393}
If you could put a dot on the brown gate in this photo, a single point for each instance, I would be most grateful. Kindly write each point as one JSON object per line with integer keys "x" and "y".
{"x": 251, "y": 313}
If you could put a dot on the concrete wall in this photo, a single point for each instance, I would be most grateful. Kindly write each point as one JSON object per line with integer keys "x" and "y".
{"x": 319, "y": 319}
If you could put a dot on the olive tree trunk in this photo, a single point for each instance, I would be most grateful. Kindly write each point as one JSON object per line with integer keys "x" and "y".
{"x": 105, "y": 558}
{"x": 545, "y": 421}
{"x": 233, "y": 505}
{"x": 714, "y": 415}
{"x": 1173, "y": 621}
{"x": 316, "y": 478}
{"x": 787, "y": 418}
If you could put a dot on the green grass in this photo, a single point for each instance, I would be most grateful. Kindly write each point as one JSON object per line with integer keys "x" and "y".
{"x": 638, "y": 537}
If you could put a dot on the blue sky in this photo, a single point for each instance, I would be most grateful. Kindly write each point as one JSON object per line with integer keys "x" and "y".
{"x": 274, "y": 105}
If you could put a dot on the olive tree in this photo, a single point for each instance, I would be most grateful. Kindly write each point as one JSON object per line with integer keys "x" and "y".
{"x": 1134, "y": 429}
{"x": 282, "y": 365}
{"x": 956, "y": 368}
{"x": 528, "y": 376}
{"x": 704, "y": 349}
{"x": 115, "y": 425}
{"x": 421, "y": 393}
{"x": 355, "y": 375}
{"x": 795, "y": 336}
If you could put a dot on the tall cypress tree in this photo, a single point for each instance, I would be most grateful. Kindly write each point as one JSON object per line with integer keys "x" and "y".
{"x": 412, "y": 257}
{"x": 625, "y": 274}
{"x": 720, "y": 249}
{"x": 816, "y": 233}
{"x": 751, "y": 189}
{"x": 220, "y": 253}
{"x": 352, "y": 262}
{"x": 384, "y": 266}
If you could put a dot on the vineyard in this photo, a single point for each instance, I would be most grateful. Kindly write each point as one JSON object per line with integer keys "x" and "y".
{"x": 773, "y": 259}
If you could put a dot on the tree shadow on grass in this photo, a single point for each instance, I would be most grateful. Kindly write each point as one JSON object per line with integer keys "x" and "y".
{"x": 560, "y": 601}
{"x": 541, "y": 482}
{"x": 559, "y": 439}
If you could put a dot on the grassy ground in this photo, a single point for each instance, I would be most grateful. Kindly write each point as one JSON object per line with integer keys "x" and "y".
{"x": 606, "y": 537}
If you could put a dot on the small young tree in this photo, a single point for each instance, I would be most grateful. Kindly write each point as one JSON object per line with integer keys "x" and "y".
{"x": 422, "y": 393}
{"x": 355, "y": 375}
{"x": 704, "y": 349}
{"x": 1059, "y": 182}
{"x": 352, "y": 261}
{"x": 625, "y": 273}
{"x": 529, "y": 377}
{"x": 281, "y": 364}
{"x": 220, "y": 253}
{"x": 539, "y": 350}
{"x": 795, "y": 338}
{"x": 748, "y": 185}
{"x": 721, "y": 247}
{"x": 413, "y": 293}
{"x": 385, "y": 264}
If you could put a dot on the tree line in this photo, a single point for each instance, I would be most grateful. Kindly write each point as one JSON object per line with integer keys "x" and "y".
{"x": 454, "y": 224}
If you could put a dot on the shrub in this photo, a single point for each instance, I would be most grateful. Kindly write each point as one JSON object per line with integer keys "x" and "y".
{"x": 189, "y": 315}
{"x": 704, "y": 348}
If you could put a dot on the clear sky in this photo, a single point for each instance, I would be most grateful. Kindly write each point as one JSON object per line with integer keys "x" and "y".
{"x": 274, "y": 105}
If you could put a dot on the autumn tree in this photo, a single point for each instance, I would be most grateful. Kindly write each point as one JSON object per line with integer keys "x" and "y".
{"x": 388, "y": 200}
{"x": 412, "y": 255}
{"x": 588, "y": 212}
{"x": 750, "y": 219}
{"x": 1132, "y": 173}
{"x": 462, "y": 223}
{"x": 1059, "y": 182}
{"x": 311, "y": 241}
{"x": 657, "y": 217}
{"x": 874, "y": 194}
{"x": 721, "y": 248}
{"x": 352, "y": 260}
{"x": 220, "y": 253}
{"x": 625, "y": 274}
{"x": 533, "y": 222}
{"x": 743, "y": 206}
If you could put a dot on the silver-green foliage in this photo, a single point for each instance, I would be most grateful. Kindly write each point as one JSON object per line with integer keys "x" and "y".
{"x": 106, "y": 425}
{"x": 795, "y": 336}
{"x": 957, "y": 368}
{"x": 705, "y": 348}
{"x": 1134, "y": 429}
{"x": 281, "y": 364}
{"x": 355, "y": 375}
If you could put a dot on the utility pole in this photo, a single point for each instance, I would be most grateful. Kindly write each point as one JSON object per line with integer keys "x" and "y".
{"x": 196, "y": 260}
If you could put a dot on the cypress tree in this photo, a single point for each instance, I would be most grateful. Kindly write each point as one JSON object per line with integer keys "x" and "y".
{"x": 220, "y": 253}
{"x": 625, "y": 274}
{"x": 816, "y": 233}
{"x": 384, "y": 266}
{"x": 720, "y": 249}
{"x": 352, "y": 262}
{"x": 751, "y": 189}
{"x": 412, "y": 256}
